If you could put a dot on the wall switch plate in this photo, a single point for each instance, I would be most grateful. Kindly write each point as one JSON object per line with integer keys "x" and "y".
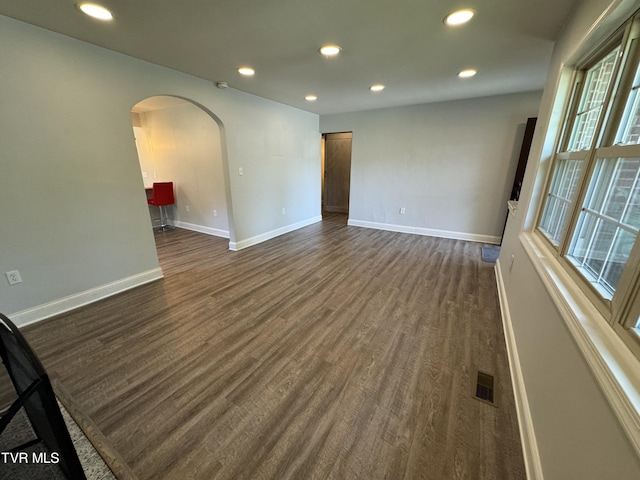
{"x": 13, "y": 277}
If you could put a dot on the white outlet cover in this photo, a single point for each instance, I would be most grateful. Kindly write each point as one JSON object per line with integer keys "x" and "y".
{"x": 13, "y": 277}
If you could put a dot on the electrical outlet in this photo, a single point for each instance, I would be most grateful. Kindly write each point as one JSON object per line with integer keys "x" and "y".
{"x": 187, "y": 208}
{"x": 13, "y": 277}
{"x": 215, "y": 213}
{"x": 402, "y": 211}
{"x": 284, "y": 211}
{"x": 240, "y": 171}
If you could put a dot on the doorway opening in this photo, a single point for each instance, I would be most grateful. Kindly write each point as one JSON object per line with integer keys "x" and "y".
{"x": 180, "y": 142}
{"x": 336, "y": 165}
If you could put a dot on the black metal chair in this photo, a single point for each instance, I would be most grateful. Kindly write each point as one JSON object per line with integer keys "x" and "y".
{"x": 36, "y": 396}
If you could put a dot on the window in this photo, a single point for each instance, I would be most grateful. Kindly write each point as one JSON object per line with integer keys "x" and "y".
{"x": 608, "y": 224}
{"x": 629, "y": 131}
{"x": 570, "y": 161}
{"x": 561, "y": 193}
{"x": 590, "y": 214}
{"x": 598, "y": 80}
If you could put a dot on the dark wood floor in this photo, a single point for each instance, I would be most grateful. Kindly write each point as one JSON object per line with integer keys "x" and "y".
{"x": 330, "y": 352}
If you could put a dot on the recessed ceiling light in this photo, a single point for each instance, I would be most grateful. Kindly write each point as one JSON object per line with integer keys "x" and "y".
{"x": 96, "y": 11}
{"x": 470, "y": 72}
{"x": 330, "y": 50}
{"x": 459, "y": 17}
{"x": 246, "y": 71}
{"x": 378, "y": 87}
{"x": 311, "y": 98}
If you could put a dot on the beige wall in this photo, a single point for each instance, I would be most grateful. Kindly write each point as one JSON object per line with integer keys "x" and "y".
{"x": 181, "y": 144}
{"x": 74, "y": 220}
{"x": 571, "y": 422}
{"x": 450, "y": 165}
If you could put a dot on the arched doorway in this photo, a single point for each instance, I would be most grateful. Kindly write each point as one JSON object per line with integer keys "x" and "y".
{"x": 181, "y": 142}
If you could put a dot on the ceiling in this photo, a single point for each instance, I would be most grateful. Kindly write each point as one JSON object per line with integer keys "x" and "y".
{"x": 402, "y": 44}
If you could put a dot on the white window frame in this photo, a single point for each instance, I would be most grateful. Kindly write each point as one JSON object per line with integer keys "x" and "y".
{"x": 616, "y": 308}
{"x": 607, "y": 331}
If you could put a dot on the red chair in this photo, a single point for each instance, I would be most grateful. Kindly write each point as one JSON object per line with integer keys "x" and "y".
{"x": 162, "y": 195}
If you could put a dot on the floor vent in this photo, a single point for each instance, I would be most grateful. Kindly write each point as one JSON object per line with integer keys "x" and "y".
{"x": 484, "y": 387}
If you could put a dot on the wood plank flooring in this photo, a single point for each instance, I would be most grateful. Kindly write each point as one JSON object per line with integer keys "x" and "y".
{"x": 331, "y": 352}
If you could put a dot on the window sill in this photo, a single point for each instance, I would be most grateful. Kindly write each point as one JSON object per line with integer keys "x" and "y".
{"x": 615, "y": 367}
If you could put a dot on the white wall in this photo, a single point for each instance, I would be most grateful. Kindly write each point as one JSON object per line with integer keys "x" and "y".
{"x": 74, "y": 217}
{"x": 576, "y": 432}
{"x": 450, "y": 165}
{"x": 181, "y": 144}
{"x": 278, "y": 149}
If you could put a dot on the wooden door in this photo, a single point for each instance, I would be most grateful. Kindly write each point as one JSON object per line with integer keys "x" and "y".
{"x": 524, "y": 156}
{"x": 337, "y": 172}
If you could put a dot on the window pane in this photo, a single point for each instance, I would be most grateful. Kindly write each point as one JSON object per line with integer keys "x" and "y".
{"x": 593, "y": 95}
{"x": 619, "y": 254}
{"x": 562, "y": 191}
{"x": 608, "y": 224}
{"x": 629, "y": 131}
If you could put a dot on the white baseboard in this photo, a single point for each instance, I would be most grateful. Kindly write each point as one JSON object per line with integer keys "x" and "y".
{"x": 429, "y": 232}
{"x": 216, "y": 232}
{"x": 71, "y": 302}
{"x": 272, "y": 234}
{"x": 530, "y": 451}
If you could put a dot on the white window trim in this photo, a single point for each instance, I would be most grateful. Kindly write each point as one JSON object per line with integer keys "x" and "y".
{"x": 615, "y": 367}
